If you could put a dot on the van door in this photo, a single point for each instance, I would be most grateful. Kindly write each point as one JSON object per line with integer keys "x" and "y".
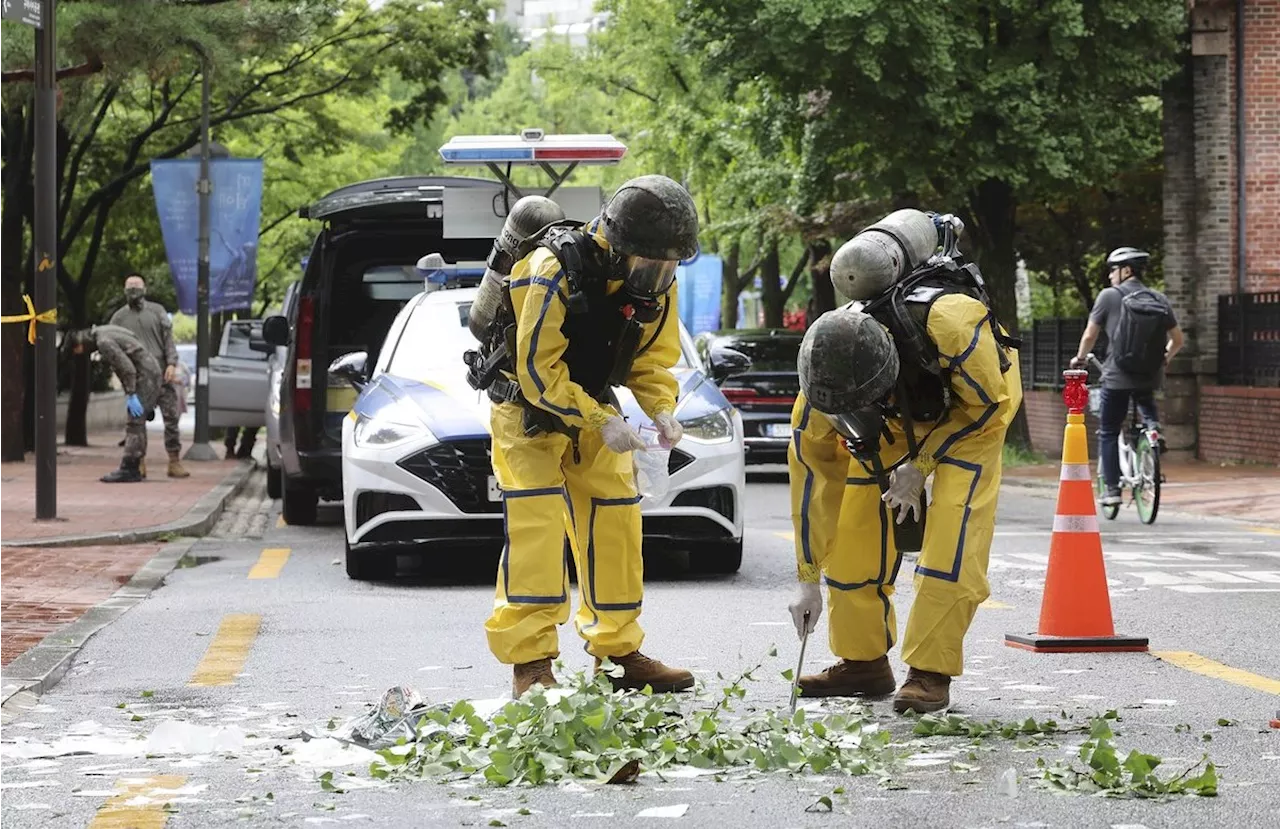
{"x": 238, "y": 377}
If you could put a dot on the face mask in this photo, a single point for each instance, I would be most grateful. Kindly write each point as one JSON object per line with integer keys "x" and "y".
{"x": 134, "y": 296}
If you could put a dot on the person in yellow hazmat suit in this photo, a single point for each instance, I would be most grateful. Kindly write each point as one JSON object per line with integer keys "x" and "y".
{"x": 591, "y": 308}
{"x": 924, "y": 384}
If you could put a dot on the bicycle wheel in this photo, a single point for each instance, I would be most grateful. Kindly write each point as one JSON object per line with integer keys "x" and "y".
{"x": 1100, "y": 489}
{"x": 1147, "y": 493}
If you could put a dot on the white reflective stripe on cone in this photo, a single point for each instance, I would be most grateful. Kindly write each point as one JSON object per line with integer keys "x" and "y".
{"x": 1076, "y": 472}
{"x": 1075, "y": 523}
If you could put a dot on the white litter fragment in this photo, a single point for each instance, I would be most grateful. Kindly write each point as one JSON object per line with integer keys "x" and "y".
{"x": 1087, "y": 697}
{"x": 682, "y": 771}
{"x": 329, "y": 752}
{"x": 1271, "y": 757}
{"x": 177, "y": 737}
{"x": 95, "y": 793}
{"x": 1070, "y": 671}
{"x": 665, "y": 811}
{"x": 1007, "y": 785}
{"x": 431, "y": 668}
{"x": 924, "y": 760}
{"x": 1159, "y": 702}
{"x": 1028, "y": 688}
{"x": 320, "y": 819}
{"x": 592, "y": 814}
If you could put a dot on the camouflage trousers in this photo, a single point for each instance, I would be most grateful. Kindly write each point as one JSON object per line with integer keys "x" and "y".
{"x": 168, "y": 405}
{"x": 135, "y": 431}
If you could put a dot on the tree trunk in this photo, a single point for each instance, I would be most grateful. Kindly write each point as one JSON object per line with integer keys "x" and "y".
{"x": 729, "y": 289}
{"x": 994, "y": 213}
{"x": 771, "y": 287}
{"x": 77, "y": 432}
{"x": 18, "y": 194}
{"x": 822, "y": 296}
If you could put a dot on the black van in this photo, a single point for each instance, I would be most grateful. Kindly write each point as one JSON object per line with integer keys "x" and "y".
{"x": 359, "y": 275}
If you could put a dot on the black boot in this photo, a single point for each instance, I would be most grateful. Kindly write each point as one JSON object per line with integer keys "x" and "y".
{"x": 127, "y": 473}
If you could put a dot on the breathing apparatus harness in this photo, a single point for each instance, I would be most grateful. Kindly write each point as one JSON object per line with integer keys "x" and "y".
{"x": 923, "y": 390}
{"x": 603, "y": 329}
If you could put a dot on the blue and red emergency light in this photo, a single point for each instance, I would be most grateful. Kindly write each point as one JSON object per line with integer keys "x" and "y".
{"x": 533, "y": 147}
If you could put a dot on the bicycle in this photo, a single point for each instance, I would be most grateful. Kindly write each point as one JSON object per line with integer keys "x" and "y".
{"x": 1140, "y": 445}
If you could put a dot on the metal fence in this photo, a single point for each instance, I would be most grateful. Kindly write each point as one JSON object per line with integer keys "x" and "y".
{"x": 1047, "y": 349}
{"x": 1249, "y": 339}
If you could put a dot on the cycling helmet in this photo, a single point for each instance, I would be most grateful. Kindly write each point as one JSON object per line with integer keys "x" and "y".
{"x": 1132, "y": 257}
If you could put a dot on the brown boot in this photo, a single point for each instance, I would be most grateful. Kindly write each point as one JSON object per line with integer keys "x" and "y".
{"x": 639, "y": 671}
{"x": 528, "y": 674}
{"x": 142, "y": 467}
{"x": 847, "y": 678}
{"x": 923, "y": 692}
{"x": 176, "y": 469}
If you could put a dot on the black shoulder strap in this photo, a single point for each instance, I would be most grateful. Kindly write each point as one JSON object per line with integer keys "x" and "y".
{"x": 573, "y": 249}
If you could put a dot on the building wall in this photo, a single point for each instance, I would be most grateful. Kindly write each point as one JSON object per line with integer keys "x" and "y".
{"x": 1238, "y": 423}
{"x": 1046, "y": 419}
{"x": 1262, "y": 144}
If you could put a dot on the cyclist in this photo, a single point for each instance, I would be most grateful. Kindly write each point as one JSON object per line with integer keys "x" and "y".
{"x": 1143, "y": 336}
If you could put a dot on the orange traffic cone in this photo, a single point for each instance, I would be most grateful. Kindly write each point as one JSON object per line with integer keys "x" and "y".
{"x": 1075, "y": 614}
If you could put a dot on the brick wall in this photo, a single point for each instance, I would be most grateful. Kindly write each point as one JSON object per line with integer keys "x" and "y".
{"x": 1046, "y": 418}
{"x": 1262, "y": 143}
{"x": 1238, "y": 423}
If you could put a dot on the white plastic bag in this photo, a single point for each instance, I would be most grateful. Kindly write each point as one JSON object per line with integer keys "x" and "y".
{"x": 653, "y": 478}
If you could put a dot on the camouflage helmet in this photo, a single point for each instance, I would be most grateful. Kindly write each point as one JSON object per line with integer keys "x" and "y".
{"x": 652, "y": 217}
{"x": 847, "y": 362}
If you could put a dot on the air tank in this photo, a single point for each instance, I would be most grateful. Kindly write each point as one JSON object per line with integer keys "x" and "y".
{"x": 866, "y": 265}
{"x": 529, "y": 215}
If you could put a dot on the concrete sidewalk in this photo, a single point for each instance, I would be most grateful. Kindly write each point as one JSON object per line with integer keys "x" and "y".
{"x": 91, "y": 512}
{"x": 1242, "y": 492}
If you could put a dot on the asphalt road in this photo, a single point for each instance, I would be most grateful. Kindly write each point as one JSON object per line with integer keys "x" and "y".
{"x": 325, "y": 647}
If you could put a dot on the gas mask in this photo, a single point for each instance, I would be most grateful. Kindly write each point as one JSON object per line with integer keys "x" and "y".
{"x": 861, "y": 431}
{"x": 646, "y": 277}
{"x": 135, "y": 296}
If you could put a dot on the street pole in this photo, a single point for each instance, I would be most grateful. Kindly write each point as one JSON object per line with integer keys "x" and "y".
{"x": 46, "y": 264}
{"x": 200, "y": 449}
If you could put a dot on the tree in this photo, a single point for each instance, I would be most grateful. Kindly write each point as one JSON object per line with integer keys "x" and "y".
{"x": 270, "y": 61}
{"x": 976, "y": 106}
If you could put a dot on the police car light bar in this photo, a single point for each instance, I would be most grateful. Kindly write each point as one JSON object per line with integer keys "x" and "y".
{"x": 533, "y": 147}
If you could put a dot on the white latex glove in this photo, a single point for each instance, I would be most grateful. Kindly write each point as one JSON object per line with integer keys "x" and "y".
{"x": 620, "y": 437}
{"x": 808, "y": 599}
{"x": 669, "y": 429}
{"x": 906, "y": 483}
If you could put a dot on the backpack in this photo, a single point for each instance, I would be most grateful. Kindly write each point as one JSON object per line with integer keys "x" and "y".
{"x": 1139, "y": 343}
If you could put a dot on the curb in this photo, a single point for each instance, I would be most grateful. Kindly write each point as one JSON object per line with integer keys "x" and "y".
{"x": 43, "y": 666}
{"x": 197, "y": 521}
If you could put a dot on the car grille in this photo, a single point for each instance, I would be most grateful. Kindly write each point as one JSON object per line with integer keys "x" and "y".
{"x": 716, "y": 498}
{"x": 460, "y": 470}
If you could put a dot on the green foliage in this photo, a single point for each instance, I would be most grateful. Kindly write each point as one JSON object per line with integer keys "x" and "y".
{"x": 1104, "y": 772}
{"x": 1015, "y": 455}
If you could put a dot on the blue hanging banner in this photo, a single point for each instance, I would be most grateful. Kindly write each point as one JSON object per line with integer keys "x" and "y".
{"x": 699, "y": 282}
{"x": 235, "y": 215}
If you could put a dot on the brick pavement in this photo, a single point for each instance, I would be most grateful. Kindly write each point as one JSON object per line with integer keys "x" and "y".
{"x": 86, "y": 505}
{"x": 44, "y": 588}
{"x": 1244, "y": 492}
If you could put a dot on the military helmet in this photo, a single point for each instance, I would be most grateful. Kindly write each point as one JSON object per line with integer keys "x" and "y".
{"x": 653, "y": 217}
{"x": 847, "y": 362}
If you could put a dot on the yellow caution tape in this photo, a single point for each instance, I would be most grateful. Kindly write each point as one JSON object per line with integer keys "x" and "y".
{"x": 50, "y": 316}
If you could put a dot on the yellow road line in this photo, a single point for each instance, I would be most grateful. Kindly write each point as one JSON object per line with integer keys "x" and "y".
{"x": 788, "y": 535}
{"x": 226, "y": 654}
{"x": 270, "y": 563}
{"x": 280, "y": 522}
{"x": 992, "y": 604}
{"x": 121, "y": 812}
{"x": 1265, "y": 530}
{"x": 1207, "y": 667}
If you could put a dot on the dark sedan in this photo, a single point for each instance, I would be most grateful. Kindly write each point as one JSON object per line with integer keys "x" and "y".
{"x": 756, "y": 371}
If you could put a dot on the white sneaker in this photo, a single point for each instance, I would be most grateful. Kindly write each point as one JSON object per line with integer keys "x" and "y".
{"x": 1111, "y": 499}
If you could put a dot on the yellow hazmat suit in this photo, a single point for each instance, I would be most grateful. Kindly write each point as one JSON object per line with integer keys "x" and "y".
{"x": 843, "y": 530}
{"x": 551, "y": 491}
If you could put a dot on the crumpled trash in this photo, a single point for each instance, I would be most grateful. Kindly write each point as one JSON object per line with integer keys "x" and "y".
{"x": 653, "y": 478}
{"x": 396, "y": 716}
{"x": 1007, "y": 785}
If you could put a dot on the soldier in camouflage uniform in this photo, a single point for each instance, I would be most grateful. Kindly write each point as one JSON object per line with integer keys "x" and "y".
{"x": 140, "y": 377}
{"x": 150, "y": 323}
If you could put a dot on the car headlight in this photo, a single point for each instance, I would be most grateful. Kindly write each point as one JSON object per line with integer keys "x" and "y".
{"x": 716, "y": 427}
{"x": 387, "y": 428}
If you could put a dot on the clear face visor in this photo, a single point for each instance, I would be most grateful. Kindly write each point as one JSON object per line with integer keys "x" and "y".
{"x": 648, "y": 277}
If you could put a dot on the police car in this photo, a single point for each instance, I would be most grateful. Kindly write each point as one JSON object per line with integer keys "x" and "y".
{"x": 417, "y": 465}
{"x": 416, "y": 449}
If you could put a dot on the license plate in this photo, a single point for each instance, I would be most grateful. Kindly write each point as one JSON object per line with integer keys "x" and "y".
{"x": 495, "y": 491}
{"x": 777, "y": 430}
